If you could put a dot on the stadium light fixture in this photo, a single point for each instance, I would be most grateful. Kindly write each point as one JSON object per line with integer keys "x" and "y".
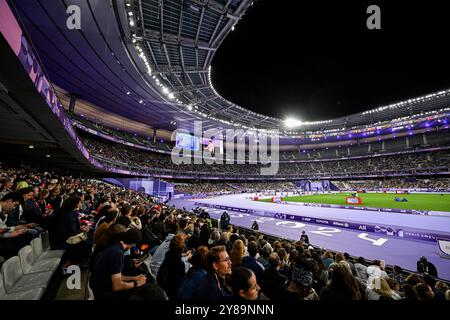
{"x": 291, "y": 123}
{"x": 31, "y": 146}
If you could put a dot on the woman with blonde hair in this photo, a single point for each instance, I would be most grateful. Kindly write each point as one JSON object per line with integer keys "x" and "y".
{"x": 237, "y": 253}
{"x": 379, "y": 289}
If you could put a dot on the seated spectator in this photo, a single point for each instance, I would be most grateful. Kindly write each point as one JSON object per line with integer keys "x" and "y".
{"x": 342, "y": 285}
{"x": 107, "y": 281}
{"x": 328, "y": 258}
{"x": 263, "y": 258}
{"x": 375, "y": 270}
{"x": 100, "y": 233}
{"x": 172, "y": 270}
{"x": 237, "y": 254}
{"x": 160, "y": 253}
{"x": 424, "y": 291}
{"x": 243, "y": 284}
{"x": 195, "y": 274}
{"x": 134, "y": 217}
{"x": 273, "y": 281}
{"x": 361, "y": 269}
{"x": 13, "y": 238}
{"x": 5, "y": 187}
{"x": 251, "y": 263}
{"x": 379, "y": 290}
{"x": 300, "y": 284}
{"x": 213, "y": 286}
{"x": 397, "y": 275}
{"x": 410, "y": 292}
{"x": 64, "y": 225}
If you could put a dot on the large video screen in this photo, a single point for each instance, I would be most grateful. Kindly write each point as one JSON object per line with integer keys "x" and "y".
{"x": 186, "y": 141}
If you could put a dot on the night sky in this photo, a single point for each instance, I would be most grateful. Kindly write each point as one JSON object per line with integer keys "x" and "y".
{"x": 317, "y": 60}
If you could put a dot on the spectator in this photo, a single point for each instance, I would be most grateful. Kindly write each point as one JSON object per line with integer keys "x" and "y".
{"x": 342, "y": 286}
{"x": 107, "y": 281}
{"x": 160, "y": 253}
{"x": 12, "y": 239}
{"x": 255, "y": 226}
{"x": 300, "y": 284}
{"x": 273, "y": 281}
{"x": 424, "y": 266}
{"x": 424, "y": 291}
{"x": 213, "y": 287}
{"x": 224, "y": 221}
{"x": 64, "y": 225}
{"x": 361, "y": 269}
{"x": 195, "y": 275}
{"x": 237, "y": 254}
{"x": 244, "y": 285}
{"x": 251, "y": 263}
{"x": 379, "y": 290}
{"x": 304, "y": 237}
{"x": 172, "y": 270}
{"x": 327, "y": 258}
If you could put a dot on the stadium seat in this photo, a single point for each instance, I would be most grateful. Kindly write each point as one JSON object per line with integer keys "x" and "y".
{"x": 31, "y": 263}
{"x": 15, "y": 281}
{"x": 38, "y": 245}
{"x": 31, "y": 294}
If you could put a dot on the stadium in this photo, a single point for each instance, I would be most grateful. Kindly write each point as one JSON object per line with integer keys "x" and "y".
{"x": 122, "y": 167}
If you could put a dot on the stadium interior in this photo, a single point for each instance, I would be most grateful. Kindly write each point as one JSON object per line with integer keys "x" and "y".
{"x": 103, "y": 174}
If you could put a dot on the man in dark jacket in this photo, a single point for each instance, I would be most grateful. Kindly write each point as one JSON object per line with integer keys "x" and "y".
{"x": 424, "y": 266}
{"x": 224, "y": 221}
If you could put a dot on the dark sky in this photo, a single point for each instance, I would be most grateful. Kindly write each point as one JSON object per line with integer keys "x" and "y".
{"x": 317, "y": 60}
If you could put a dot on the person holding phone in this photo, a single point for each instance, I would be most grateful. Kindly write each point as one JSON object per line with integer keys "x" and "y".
{"x": 12, "y": 239}
{"x": 107, "y": 281}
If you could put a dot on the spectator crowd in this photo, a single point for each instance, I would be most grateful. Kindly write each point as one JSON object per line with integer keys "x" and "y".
{"x": 137, "y": 248}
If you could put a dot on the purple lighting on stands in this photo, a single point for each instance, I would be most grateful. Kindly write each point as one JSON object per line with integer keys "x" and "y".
{"x": 427, "y": 124}
{"x": 410, "y": 133}
{"x": 349, "y": 135}
{"x": 378, "y": 131}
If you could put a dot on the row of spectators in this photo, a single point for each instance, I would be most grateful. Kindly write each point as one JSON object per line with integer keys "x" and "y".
{"x": 137, "y": 248}
{"x": 206, "y": 188}
{"x": 133, "y": 159}
{"x": 435, "y": 184}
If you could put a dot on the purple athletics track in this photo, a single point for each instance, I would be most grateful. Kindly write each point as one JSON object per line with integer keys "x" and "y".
{"x": 395, "y": 251}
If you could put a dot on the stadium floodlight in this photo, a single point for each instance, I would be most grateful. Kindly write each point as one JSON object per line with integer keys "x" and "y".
{"x": 291, "y": 123}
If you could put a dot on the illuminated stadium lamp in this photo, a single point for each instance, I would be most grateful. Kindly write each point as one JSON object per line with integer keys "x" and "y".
{"x": 128, "y": 93}
{"x": 140, "y": 101}
{"x": 171, "y": 96}
{"x": 48, "y": 156}
{"x": 30, "y": 146}
{"x": 131, "y": 23}
{"x": 165, "y": 90}
{"x": 130, "y": 13}
{"x": 291, "y": 123}
{"x": 189, "y": 108}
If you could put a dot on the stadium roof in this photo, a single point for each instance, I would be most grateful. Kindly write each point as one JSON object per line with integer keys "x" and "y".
{"x": 149, "y": 61}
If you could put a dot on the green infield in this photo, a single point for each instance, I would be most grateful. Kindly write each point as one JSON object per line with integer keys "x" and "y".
{"x": 433, "y": 202}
